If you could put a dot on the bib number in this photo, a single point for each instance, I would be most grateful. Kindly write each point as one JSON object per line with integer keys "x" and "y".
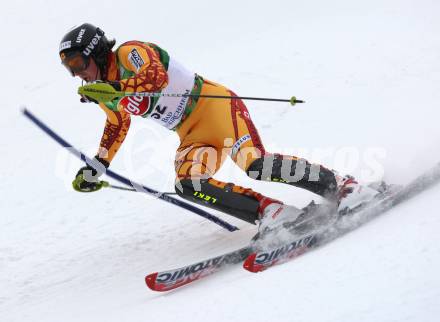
{"x": 159, "y": 111}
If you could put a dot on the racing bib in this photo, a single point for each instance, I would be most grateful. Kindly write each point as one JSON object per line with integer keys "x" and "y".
{"x": 168, "y": 110}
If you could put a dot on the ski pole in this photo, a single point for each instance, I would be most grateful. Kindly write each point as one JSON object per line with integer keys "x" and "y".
{"x": 104, "y": 92}
{"x": 145, "y": 189}
{"x": 108, "y": 185}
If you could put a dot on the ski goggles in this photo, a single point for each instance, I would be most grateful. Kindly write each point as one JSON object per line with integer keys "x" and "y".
{"x": 75, "y": 62}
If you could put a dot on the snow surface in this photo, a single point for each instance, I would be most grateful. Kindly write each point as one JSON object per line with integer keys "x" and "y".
{"x": 370, "y": 73}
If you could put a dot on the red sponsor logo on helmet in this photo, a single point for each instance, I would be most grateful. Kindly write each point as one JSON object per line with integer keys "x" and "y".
{"x": 136, "y": 105}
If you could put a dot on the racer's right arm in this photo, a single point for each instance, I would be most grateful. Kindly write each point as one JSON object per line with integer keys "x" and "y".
{"x": 115, "y": 131}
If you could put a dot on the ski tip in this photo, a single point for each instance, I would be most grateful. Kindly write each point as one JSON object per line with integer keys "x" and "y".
{"x": 249, "y": 263}
{"x": 150, "y": 279}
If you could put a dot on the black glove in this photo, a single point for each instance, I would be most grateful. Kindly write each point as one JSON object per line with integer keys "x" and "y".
{"x": 86, "y": 179}
{"x": 86, "y": 99}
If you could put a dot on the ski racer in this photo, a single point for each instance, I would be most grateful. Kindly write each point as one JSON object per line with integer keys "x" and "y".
{"x": 209, "y": 130}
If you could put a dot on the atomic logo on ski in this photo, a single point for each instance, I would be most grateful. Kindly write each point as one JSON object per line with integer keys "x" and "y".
{"x": 259, "y": 261}
{"x": 169, "y": 280}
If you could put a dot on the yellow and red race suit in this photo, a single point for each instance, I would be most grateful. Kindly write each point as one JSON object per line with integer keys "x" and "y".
{"x": 209, "y": 130}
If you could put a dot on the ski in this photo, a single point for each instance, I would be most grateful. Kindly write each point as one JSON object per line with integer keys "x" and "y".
{"x": 255, "y": 259}
{"x": 261, "y": 260}
{"x": 168, "y": 280}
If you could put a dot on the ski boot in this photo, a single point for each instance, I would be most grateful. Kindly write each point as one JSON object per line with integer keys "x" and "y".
{"x": 352, "y": 196}
{"x": 278, "y": 222}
